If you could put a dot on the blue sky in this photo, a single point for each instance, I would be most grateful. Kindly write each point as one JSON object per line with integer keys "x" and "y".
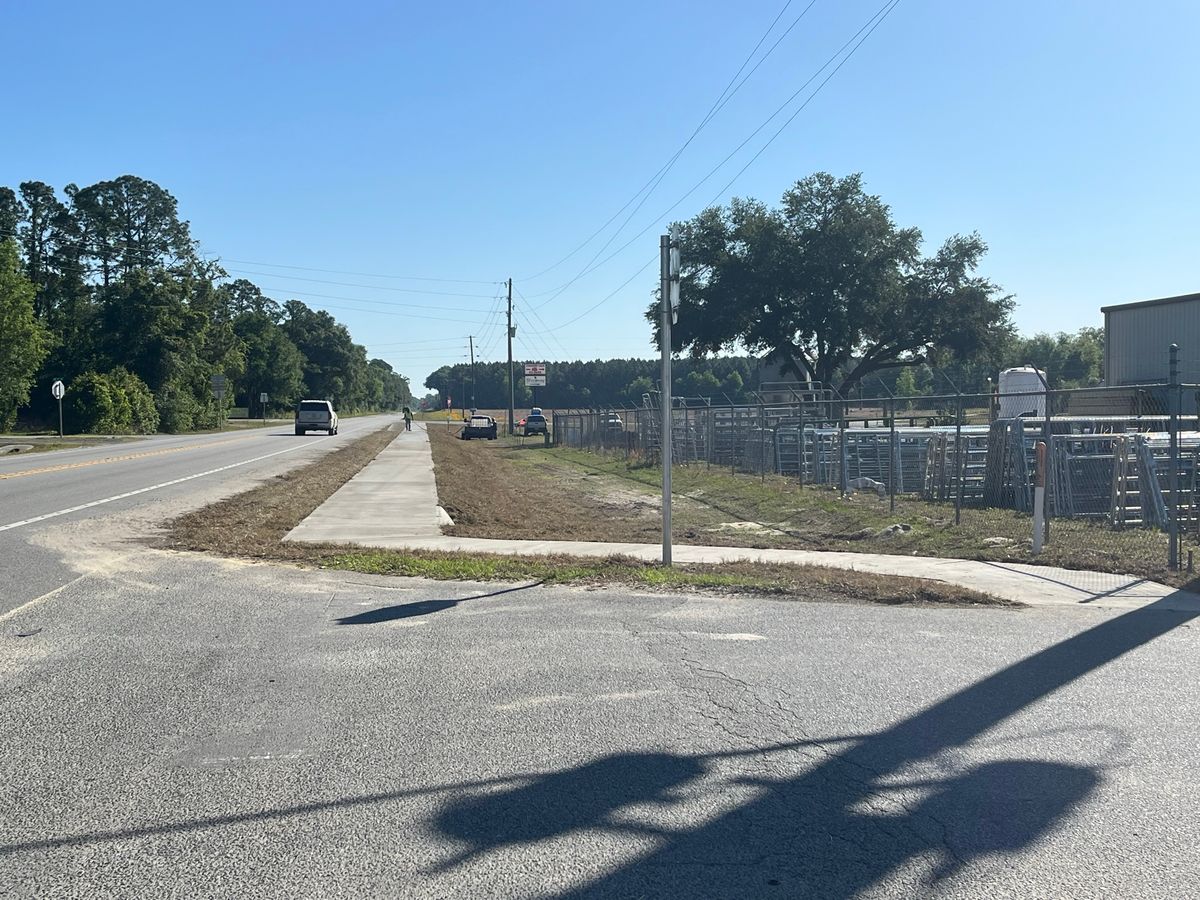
{"x": 478, "y": 141}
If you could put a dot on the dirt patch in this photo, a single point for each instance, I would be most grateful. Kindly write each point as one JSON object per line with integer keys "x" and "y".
{"x": 253, "y": 524}
{"x": 490, "y": 492}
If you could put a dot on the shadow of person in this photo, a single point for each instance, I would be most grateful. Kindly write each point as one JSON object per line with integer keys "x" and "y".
{"x": 561, "y": 802}
{"x": 826, "y": 831}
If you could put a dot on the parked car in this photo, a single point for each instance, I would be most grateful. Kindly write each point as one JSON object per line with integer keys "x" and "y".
{"x": 316, "y": 415}
{"x": 479, "y": 427}
{"x": 612, "y": 422}
{"x": 535, "y": 424}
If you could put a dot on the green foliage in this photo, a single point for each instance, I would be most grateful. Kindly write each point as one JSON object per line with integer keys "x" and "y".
{"x": 111, "y": 283}
{"x": 24, "y": 342}
{"x": 829, "y": 288}
{"x": 90, "y": 406}
{"x": 114, "y": 403}
{"x": 137, "y": 401}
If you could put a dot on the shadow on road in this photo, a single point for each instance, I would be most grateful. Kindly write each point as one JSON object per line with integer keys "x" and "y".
{"x": 420, "y": 607}
{"x": 833, "y": 830}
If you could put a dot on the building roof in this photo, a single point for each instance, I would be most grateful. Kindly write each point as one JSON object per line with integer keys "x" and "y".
{"x": 1182, "y": 298}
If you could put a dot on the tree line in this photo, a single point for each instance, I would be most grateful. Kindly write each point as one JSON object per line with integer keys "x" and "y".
{"x": 103, "y": 289}
{"x": 1069, "y": 360}
{"x": 824, "y": 288}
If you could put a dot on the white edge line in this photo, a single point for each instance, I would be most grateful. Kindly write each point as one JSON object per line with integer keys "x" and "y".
{"x": 46, "y": 596}
{"x": 153, "y": 487}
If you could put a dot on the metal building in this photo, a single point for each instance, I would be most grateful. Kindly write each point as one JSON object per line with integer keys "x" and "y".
{"x": 1137, "y": 337}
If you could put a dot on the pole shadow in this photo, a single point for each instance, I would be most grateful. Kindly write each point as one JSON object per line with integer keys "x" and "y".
{"x": 421, "y": 607}
{"x": 830, "y": 831}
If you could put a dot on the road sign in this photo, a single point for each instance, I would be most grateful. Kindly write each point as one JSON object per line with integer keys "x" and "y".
{"x": 263, "y": 398}
{"x": 217, "y": 382}
{"x": 57, "y": 390}
{"x": 535, "y": 369}
{"x": 535, "y": 381}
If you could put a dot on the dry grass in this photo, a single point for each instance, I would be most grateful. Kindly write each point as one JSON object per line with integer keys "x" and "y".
{"x": 618, "y": 500}
{"x": 253, "y": 524}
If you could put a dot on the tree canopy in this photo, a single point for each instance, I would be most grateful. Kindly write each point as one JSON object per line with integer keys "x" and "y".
{"x": 102, "y": 287}
{"x": 829, "y": 288}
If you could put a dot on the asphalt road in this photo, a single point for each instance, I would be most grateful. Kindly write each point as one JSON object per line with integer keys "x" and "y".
{"x": 42, "y": 492}
{"x": 183, "y": 726}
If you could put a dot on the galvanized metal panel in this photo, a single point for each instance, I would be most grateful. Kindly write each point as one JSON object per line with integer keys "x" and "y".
{"x": 1137, "y": 338}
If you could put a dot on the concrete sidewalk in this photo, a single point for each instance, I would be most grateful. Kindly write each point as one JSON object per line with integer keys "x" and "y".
{"x": 393, "y": 503}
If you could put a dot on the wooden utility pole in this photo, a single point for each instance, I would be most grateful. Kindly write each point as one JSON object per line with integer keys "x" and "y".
{"x": 512, "y": 391}
{"x": 471, "y": 344}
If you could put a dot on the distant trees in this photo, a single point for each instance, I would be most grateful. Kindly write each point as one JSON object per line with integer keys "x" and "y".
{"x": 102, "y": 287}
{"x": 23, "y": 340}
{"x": 829, "y": 288}
{"x": 611, "y": 382}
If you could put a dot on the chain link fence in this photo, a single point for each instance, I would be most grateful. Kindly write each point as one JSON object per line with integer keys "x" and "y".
{"x": 1122, "y": 471}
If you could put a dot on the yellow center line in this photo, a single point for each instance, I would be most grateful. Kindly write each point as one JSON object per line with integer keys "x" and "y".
{"x": 112, "y": 459}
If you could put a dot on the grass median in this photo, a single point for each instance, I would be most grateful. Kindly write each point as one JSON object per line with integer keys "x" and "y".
{"x": 253, "y": 524}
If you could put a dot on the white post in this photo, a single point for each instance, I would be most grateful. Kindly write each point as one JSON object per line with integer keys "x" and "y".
{"x": 1039, "y": 500}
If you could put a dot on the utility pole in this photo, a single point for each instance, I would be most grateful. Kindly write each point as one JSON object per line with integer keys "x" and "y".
{"x": 471, "y": 344}
{"x": 669, "y": 300}
{"x": 512, "y": 391}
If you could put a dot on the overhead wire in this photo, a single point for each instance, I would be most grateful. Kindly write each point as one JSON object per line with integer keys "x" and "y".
{"x": 250, "y": 262}
{"x": 723, "y": 98}
{"x": 860, "y": 36}
{"x": 371, "y": 287}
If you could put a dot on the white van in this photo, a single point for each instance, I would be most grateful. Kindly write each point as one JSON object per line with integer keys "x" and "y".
{"x": 316, "y": 415}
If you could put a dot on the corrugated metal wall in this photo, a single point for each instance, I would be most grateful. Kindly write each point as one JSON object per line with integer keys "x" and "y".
{"x": 1136, "y": 340}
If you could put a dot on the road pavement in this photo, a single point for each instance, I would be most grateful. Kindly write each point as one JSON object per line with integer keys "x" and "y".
{"x": 179, "y": 725}
{"x": 41, "y": 492}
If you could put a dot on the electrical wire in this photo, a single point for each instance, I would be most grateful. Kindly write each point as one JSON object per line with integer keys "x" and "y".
{"x": 725, "y": 96}
{"x": 865, "y": 32}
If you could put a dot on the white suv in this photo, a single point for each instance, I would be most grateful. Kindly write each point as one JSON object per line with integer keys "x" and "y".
{"x": 316, "y": 415}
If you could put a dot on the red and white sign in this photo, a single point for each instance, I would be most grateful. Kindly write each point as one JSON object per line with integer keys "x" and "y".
{"x": 535, "y": 368}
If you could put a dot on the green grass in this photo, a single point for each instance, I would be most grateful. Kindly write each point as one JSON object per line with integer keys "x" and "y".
{"x": 819, "y": 518}
{"x": 783, "y": 581}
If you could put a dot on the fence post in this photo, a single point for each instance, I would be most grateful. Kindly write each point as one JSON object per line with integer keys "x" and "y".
{"x": 892, "y": 450}
{"x": 958, "y": 458}
{"x": 1173, "y": 413}
{"x": 1039, "y": 499}
{"x": 762, "y": 443}
{"x": 843, "y": 475}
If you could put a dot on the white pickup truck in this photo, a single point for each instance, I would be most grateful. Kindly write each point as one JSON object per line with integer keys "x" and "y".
{"x": 316, "y": 415}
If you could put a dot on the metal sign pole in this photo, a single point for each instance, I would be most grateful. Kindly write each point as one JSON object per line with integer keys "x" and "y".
{"x": 56, "y": 391}
{"x": 664, "y": 249}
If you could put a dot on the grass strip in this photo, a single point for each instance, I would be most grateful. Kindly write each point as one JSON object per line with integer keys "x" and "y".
{"x": 253, "y": 524}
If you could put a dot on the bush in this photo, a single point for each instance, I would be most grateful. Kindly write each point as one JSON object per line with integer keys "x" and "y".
{"x": 139, "y": 402}
{"x": 177, "y": 408}
{"x": 89, "y": 406}
{"x": 114, "y": 403}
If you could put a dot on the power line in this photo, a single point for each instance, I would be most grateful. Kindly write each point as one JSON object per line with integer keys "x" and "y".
{"x": 389, "y": 303}
{"x": 371, "y": 287}
{"x": 250, "y": 262}
{"x": 869, "y": 27}
{"x": 722, "y": 99}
